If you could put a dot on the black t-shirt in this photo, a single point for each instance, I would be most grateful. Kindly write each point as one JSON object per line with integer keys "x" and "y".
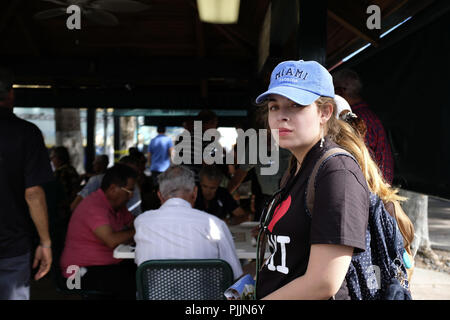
{"x": 24, "y": 163}
{"x": 222, "y": 204}
{"x": 341, "y": 208}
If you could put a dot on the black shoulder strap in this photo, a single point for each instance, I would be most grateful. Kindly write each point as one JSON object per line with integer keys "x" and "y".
{"x": 310, "y": 188}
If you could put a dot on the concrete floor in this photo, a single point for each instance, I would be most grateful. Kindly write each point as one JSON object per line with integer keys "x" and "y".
{"x": 430, "y": 285}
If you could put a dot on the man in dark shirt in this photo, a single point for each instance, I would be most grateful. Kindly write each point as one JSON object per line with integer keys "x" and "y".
{"x": 24, "y": 167}
{"x": 214, "y": 199}
{"x": 348, "y": 85}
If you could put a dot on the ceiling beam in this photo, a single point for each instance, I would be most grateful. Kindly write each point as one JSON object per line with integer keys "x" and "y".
{"x": 164, "y": 98}
{"x": 229, "y": 33}
{"x": 352, "y": 15}
{"x": 392, "y": 18}
{"x": 236, "y": 38}
{"x": 48, "y": 70}
{"x": 421, "y": 18}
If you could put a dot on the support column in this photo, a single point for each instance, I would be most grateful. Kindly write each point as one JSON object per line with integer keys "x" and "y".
{"x": 68, "y": 134}
{"x": 116, "y": 139}
{"x": 105, "y": 130}
{"x": 312, "y": 30}
{"x": 127, "y": 134}
{"x": 416, "y": 207}
{"x": 90, "y": 145}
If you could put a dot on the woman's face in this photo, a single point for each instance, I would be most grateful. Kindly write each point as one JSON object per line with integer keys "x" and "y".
{"x": 299, "y": 126}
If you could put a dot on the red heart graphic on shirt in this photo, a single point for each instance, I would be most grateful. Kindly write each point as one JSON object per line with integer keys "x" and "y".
{"x": 280, "y": 211}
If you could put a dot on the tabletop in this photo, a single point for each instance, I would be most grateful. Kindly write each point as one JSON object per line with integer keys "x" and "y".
{"x": 244, "y": 243}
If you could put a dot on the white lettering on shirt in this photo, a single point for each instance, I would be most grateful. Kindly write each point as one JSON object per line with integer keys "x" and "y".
{"x": 273, "y": 243}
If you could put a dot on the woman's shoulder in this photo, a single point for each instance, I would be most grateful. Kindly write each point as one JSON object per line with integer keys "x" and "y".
{"x": 342, "y": 163}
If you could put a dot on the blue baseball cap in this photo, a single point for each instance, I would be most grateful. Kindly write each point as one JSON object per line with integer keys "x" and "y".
{"x": 300, "y": 81}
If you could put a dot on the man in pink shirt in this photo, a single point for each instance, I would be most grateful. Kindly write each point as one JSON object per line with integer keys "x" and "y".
{"x": 99, "y": 224}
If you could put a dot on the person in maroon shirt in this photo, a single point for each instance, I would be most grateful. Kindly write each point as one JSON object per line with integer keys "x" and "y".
{"x": 348, "y": 84}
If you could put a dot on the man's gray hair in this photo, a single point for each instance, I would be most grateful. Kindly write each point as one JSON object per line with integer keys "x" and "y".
{"x": 176, "y": 181}
{"x": 349, "y": 80}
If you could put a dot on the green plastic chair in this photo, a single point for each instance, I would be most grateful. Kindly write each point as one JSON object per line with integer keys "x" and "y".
{"x": 193, "y": 279}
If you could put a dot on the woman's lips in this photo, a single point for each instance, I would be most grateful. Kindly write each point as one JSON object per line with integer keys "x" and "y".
{"x": 283, "y": 132}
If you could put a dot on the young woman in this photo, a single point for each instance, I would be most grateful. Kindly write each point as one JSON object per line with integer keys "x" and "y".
{"x": 311, "y": 252}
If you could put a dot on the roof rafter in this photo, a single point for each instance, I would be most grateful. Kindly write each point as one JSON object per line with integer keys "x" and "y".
{"x": 352, "y": 15}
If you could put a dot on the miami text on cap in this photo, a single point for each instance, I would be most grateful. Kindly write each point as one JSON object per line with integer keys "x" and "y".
{"x": 300, "y": 81}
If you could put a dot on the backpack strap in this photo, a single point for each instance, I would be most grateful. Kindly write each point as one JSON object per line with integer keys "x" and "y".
{"x": 310, "y": 189}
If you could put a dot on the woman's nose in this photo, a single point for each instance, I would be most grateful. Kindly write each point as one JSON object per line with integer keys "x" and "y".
{"x": 283, "y": 116}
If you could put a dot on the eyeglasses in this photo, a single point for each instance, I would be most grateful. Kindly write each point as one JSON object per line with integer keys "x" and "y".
{"x": 264, "y": 221}
{"x": 130, "y": 193}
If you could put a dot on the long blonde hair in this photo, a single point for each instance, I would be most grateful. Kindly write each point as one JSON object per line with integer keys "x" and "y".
{"x": 349, "y": 139}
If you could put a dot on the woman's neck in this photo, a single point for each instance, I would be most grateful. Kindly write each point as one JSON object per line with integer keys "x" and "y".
{"x": 300, "y": 154}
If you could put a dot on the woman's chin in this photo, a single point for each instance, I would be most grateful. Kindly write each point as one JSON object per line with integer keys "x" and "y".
{"x": 285, "y": 144}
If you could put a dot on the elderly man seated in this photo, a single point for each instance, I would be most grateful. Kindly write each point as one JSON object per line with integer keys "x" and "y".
{"x": 214, "y": 199}
{"x": 177, "y": 231}
{"x": 99, "y": 224}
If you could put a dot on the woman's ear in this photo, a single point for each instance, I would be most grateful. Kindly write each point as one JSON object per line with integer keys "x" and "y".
{"x": 326, "y": 112}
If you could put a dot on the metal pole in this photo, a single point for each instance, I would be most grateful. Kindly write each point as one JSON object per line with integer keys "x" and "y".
{"x": 312, "y": 30}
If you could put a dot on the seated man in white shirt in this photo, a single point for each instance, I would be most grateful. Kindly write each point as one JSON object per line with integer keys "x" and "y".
{"x": 177, "y": 231}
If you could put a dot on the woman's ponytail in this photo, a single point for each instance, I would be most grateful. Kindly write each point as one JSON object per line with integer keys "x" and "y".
{"x": 351, "y": 140}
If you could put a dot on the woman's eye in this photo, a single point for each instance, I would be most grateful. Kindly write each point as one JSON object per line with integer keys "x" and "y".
{"x": 295, "y": 105}
{"x": 273, "y": 107}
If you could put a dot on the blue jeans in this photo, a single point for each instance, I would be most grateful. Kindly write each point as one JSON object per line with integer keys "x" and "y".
{"x": 15, "y": 276}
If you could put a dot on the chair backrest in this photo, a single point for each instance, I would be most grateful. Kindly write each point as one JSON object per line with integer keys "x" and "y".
{"x": 183, "y": 279}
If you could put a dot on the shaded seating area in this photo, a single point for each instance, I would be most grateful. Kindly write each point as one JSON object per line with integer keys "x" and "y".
{"x": 162, "y": 65}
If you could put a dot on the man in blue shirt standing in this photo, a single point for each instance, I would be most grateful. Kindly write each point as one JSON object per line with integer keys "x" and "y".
{"x": 160, "y": 153}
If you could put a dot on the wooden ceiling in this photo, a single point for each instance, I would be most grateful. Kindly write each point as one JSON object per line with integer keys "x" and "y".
{"x": 165, "y": 57}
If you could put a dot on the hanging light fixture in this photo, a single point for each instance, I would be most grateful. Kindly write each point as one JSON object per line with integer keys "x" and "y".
{"x": 218, "y": 11}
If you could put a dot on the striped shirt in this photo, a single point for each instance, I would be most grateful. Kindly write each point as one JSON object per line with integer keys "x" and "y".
{"x": 177, "y": 231}
{"x": 376, "y": 140}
